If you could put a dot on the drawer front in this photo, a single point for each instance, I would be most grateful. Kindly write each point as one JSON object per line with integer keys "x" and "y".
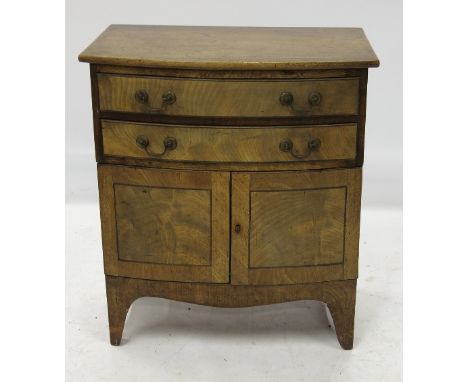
{"x": 228, "y": 144}
{"x": 228, "y": 98}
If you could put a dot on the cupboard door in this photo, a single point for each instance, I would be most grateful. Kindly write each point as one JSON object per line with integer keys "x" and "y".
{"x": 295, "y": 227}
{"x": 165, "y": 224}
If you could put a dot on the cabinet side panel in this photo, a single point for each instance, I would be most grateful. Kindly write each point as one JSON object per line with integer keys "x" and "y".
{"x": 353, "y": 214}
{"x": 362, "y": 117}
{"x": 107, "y": 211}
{"x": 96, "y": 121}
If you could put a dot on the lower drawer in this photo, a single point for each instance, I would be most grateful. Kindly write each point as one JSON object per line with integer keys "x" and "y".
{"x": 229, "y": 144}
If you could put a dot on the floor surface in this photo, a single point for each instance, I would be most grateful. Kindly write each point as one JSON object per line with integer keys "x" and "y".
{"x": 172, "y": 341}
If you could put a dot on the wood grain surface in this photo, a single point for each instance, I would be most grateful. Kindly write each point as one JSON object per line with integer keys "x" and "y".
{"x": 228, "y": 98}
{"x": 338, "y": 295}
{"x": 227, "y": 218}
{"x": 251, "y": 74}
{"x": 297, "y": 228}
{"x": 158, "y": 225}
{"x": 164, "y": 224}
{"x": 222, "y": 144}
{"x": 309, "y": 231}
{"x": 206, "y": 47}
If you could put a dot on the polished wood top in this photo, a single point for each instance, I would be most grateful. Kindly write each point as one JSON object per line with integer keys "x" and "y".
{"x": 250, "y": 48}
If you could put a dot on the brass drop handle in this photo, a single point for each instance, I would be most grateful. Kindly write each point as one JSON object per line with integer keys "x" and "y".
{"x": 287, "y": 145}
{"x": 142, "y": 142}
{"x": 287, "y": 99}
{"x": 142, "y": 97}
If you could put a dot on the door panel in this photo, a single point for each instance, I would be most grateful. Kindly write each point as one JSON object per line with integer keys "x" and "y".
{"x": 295, "y": 227}
{"x": 158, "y": 225}
{"x": 165, "y": 224}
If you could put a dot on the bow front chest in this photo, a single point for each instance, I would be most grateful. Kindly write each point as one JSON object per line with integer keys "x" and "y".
{"x": 229, "y": 164}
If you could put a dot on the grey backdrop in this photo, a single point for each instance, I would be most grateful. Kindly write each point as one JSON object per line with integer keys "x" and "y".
{"x": 381, "y": 20}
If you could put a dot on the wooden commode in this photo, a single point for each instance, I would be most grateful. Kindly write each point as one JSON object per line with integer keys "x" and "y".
{"x": 229, "y": 163}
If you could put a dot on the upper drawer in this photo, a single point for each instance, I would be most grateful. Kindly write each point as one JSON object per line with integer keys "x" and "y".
{"x": 228, "y": 98}
{"x": 229, "y": 144}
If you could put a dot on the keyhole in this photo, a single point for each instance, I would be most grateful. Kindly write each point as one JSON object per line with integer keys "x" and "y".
{"x": 237, "y": 228}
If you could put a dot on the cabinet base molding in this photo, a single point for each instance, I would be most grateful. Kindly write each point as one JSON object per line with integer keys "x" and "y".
{"x": 340, "y": 297}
